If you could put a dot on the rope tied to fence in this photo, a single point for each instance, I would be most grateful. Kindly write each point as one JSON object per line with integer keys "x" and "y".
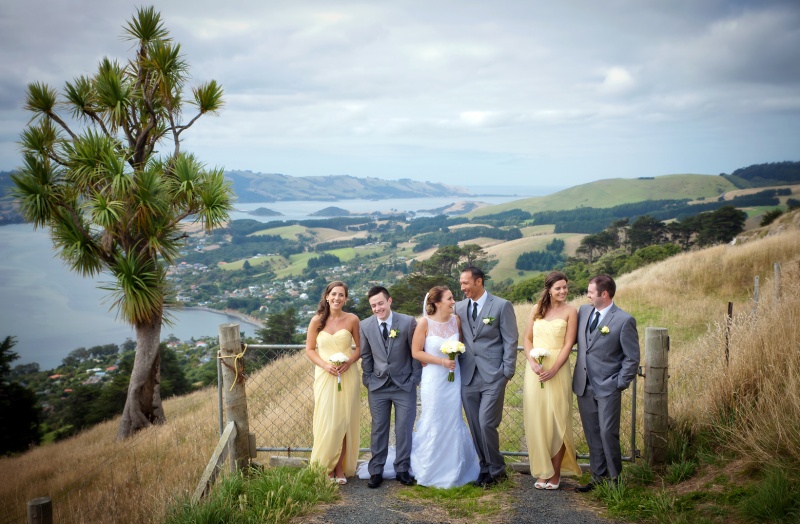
{"x": 237, "y": 359}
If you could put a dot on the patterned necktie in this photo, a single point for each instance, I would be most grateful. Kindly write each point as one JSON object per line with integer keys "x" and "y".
{"x": 593, "y": 325}
{"x": 384, "y": 331}
{"x": 474, "y": 310}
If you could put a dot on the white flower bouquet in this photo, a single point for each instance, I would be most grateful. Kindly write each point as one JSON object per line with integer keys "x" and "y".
{"x": 538, "y": 354}
{"x": 337, "y": 359}
{"x": 451, "y": 348}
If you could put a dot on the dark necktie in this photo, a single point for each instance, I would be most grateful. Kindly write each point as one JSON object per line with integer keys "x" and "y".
{"x": 474, "y": 310}
{"x": 593, "y": 325}
{"x": 384, "y": 330}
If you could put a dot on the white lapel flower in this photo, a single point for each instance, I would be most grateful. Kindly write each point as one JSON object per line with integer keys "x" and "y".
{"x": 604, "y": 330}
{"x": 488, "y": 320}
{"x": 393, "y": 333}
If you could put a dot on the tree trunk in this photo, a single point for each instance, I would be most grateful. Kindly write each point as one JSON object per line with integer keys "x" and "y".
{"x": 143, "y": 406}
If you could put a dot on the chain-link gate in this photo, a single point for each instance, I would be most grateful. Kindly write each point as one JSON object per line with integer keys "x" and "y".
{"x": 280, "y": 400}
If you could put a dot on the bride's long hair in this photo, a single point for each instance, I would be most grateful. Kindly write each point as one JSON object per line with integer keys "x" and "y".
{"x": 544, "y": 304}
{"x": 434, "y": 295}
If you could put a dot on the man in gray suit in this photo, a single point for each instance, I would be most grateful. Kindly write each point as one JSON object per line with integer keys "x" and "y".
{"x": 608, "y": 357}
{"x": 490, "y": 335}
{"x": 391, "y": 377}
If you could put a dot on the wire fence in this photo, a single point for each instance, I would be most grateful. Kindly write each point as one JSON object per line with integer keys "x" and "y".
{"x": 280, "y": 399}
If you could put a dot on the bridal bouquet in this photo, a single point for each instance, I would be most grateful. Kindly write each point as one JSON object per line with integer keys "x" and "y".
{"x": 539, "y": 354}
{"x": 451, "y": 348}
{"x": 337, "y": 360}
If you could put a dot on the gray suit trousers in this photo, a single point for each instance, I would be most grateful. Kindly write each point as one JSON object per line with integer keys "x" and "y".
{"x": 380, "y": 407}
{"x": 483, "y": 406}
{"x": 605, "y": 457}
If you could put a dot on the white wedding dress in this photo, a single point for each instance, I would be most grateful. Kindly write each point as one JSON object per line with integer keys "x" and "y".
{"x": 442, "y": 452}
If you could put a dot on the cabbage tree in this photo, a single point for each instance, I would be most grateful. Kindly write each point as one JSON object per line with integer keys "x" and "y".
{"x": 103, "y": 171}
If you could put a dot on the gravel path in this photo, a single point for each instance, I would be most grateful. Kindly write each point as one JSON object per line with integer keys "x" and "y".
{"x": 521, "y": 503}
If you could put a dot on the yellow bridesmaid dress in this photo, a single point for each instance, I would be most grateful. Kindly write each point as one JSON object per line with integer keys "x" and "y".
{"x": 547, "y": 411}
{"x": 336, "y": 413}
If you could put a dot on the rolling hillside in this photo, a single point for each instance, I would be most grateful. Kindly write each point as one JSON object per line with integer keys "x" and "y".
{"x": 686, "y": 294}
{"x": 616, "y": 191}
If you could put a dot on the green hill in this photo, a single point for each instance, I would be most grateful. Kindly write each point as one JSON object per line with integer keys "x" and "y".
{"x": 765, "y": 175}
{"x": 615, "y": 191}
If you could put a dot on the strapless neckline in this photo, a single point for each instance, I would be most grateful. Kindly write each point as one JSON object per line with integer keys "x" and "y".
{"x": 554, "y": 320}
{"x": 334, "y": 334}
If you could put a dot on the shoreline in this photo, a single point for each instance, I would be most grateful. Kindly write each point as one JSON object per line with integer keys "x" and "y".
{"x": 230, "y": 312}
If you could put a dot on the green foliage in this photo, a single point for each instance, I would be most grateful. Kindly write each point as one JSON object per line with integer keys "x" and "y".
{"x": 769, "y": 174}
{"x": 512, "y": 217}
{"x": 770, "y": 216}
{"x": 110, "y": 201}
{"x": 429, "y": 240}
{"x": 442, "y": 268}
{"x": 539, "y": 261}
{"x": 323, "y": 261}
{"x": 677, "y": 472}
{"x": 526, "y": 291}
{"x": 19, "y": 415}
{"x": 792, "y": 204}
{"x": 721, "y": 226}
{"x": 640, "y": 473}
{"x": 280, "y": 328}
{"x": 272, "y": 496}
{"x": 776, "y": 498}
{"x": 464, "y": 502}
{"x": 244, "y": 304}
{"x": 551, "y": 258}
{"x": 555, "y": 246}
{"x": 648, "y": 255}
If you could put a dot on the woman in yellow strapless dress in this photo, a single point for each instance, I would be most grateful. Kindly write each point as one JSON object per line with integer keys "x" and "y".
{"x": 547, "y": 392}
{"x": 337, "y": 412}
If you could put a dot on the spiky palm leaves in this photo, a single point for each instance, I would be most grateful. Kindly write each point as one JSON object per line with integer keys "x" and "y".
{"x": 110, "y": 203}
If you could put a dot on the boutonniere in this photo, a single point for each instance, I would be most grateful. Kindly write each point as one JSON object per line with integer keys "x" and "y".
{"x": 604, "y": 330}
{"x": 488, "y": 320}
{"x": 393, "y": 333}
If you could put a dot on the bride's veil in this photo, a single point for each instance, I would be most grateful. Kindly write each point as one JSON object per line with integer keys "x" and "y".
{"x": 425, "y": 306}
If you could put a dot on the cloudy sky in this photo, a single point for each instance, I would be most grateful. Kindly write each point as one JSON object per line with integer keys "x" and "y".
{"x": 511, "y": 92}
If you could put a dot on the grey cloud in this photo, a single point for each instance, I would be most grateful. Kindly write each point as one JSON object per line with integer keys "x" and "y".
{"x": 344, "y": 86}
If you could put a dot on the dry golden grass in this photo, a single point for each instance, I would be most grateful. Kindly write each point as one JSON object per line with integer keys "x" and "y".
{"x": 94, "y": 478}
{"x": 753, "y": 401}
{"x": 758, "y": 391}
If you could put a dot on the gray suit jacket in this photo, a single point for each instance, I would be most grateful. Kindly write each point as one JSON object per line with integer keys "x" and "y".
{"x": 391, "y": 360}
{"x": 608, "y": 362}
{"x": 492, "y": 349}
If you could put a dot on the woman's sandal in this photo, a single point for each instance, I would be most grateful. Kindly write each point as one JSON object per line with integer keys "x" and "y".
{"x": 341, "y": 481}
{"x": 540, "y": 484}
{"x": 552, "y": 486}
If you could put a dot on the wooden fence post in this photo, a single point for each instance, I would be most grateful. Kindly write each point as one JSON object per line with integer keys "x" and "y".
{"x": 656, "y": 398}
{"x": 776, "y": 281}
{"x": 230, "y": 347}
{"x": 40, "y": 511}
{"x": 755, "y": 294}
{"x": 728, "y": 322}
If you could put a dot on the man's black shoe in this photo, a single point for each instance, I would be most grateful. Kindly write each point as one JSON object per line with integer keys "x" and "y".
{"x": 375, "y": 480}
{"x": 405, "y": 479}
{"x": 491, "y": 480}
{"x": 586, "y": 488}
{"x": 481, "y": 480}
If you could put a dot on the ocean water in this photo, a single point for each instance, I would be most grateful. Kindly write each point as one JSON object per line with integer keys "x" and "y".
{"x": 52, "y": 311}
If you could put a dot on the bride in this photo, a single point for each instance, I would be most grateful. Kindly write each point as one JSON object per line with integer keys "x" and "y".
{"x": 442, "y": 452}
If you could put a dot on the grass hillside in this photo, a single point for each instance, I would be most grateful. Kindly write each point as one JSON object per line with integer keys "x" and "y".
{"x": 94, "y": 478}
{"x": 616, "y": 191}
